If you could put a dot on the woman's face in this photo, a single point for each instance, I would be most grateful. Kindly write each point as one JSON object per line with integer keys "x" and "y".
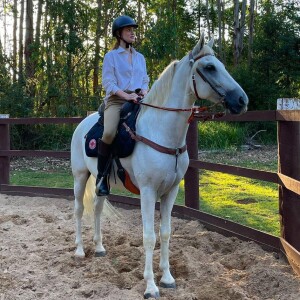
{"x": 128, "y": 34}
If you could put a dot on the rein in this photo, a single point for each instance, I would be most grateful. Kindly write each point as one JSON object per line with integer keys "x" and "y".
{"x": 194, "y": 110}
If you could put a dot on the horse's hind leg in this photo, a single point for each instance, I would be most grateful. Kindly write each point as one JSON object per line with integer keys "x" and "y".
{"x": 80, "y": 179}
{"x": 98, "y": 204}
{"x": 167, "y": 202}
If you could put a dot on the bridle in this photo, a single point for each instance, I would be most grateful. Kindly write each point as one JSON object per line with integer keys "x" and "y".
{"x": 217, "y": 88}
{"x": 196, "y": 109}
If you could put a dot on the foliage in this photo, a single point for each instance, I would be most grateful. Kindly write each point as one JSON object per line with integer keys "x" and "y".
{"x": 65, "y": 81}
{"x": 226, "y": 135}
{"x": 42, "y": 137}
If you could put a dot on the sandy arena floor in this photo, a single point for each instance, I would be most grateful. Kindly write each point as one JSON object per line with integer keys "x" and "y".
{"x": 37, "y": 259}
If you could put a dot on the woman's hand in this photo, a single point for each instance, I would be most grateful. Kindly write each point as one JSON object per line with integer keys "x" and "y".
{"x": 128, "y": 97}
{"x": 132, "y": 96}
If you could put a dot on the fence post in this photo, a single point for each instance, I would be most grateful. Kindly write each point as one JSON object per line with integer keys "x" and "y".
{"x": 289, "y": 165}
{"x": 4, "y": 145}
{"x": 191, "y": 178}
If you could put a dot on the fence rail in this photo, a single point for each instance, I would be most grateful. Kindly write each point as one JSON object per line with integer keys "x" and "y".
{"x": 287, "y": 178}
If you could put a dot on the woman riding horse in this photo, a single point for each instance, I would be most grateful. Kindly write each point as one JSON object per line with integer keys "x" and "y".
{"x": 124, "y": 71}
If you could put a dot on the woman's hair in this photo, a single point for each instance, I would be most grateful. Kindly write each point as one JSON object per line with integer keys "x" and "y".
{"x": 116, "y": 44}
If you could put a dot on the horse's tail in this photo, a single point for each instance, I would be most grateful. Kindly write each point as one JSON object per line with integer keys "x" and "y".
{"x": 89, "y": 196}
{"x": 88, "y": 201}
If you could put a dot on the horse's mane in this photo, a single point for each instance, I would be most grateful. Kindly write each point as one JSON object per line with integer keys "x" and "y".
{"x": 161, "y": 88}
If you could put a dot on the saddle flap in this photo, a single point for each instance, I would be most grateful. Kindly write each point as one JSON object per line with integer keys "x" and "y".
{"x": 123, "y": 144}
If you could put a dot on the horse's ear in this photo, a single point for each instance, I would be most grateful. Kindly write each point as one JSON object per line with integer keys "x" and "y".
{"x": 210, "y": 43}
{"x": 199, "y": 45}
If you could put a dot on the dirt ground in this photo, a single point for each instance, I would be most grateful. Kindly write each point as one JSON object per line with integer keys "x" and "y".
{"x": 37, "y": 259}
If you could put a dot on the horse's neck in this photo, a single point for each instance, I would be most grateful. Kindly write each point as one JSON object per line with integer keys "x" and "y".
{"x": 166, "y": 127}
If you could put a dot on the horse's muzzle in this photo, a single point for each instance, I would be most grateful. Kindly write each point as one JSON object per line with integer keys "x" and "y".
{"x": 236, "y": 101}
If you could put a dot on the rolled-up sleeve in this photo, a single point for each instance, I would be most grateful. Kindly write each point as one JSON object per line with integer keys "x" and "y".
{"x": 109, "y": 79}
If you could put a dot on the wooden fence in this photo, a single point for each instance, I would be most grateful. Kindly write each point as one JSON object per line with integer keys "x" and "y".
{"x": 287, "y": 178}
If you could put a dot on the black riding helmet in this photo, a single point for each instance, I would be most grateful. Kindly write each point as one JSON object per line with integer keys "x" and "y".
{"x": 121, "y": 22}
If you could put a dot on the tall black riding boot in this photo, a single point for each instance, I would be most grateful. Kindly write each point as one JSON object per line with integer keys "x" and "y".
{"x": 104, "y": 154}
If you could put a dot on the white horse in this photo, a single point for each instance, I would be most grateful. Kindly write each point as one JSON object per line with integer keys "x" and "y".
{"x": 197, "y": 75}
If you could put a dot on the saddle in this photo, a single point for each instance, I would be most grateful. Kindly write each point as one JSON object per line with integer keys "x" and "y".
{"x": 122, "y": 145}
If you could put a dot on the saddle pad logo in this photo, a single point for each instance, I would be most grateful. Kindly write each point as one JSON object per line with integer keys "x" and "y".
{"x": 92, "y": 144}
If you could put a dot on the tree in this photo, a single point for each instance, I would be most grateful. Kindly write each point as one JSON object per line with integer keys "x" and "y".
{"x": 251, "y": 31}
{"x": 96, "y": 89}
{"x": 29, "y": 65}
{"x": 21, "y": 48}
{"x": 239, "y": 28}
{"x": 14, "y": 58}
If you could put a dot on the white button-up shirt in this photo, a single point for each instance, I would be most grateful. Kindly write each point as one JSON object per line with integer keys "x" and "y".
{"x": 119, "y": 74}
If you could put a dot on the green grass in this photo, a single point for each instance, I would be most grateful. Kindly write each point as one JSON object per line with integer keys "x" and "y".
{"x": 55, "y": 179}
{"x": 246, "y": 201}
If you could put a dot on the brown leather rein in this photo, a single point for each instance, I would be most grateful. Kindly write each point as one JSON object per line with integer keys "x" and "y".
{"x": 194, "y": 110}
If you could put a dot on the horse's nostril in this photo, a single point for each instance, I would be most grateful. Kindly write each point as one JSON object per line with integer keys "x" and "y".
{"x": 241, "y": 101}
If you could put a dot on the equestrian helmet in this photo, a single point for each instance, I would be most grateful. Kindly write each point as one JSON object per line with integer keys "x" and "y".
{"x": 121, "y": 22}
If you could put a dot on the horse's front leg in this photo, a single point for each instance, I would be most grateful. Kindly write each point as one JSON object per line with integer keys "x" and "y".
{"x": 148, "y": 199}
{"x": 166, "y": 205}
{"x": 98, "y": 205}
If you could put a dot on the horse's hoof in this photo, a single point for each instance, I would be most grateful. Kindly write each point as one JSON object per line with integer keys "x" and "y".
{"x": 100, "y": 254}
{"x": 148, "y": 295}
{"x": 79, "y": 254}
{"x": 167, "y": 285}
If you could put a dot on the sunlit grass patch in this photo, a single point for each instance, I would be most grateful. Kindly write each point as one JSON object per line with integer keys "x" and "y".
{"x": 246, "y": 201}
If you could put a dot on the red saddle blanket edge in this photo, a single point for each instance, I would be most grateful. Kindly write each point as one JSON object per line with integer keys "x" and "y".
{"x": 129, "y": 185}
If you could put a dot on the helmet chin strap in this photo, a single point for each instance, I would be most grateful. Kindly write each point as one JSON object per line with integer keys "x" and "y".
{"x": 127, "y": 44}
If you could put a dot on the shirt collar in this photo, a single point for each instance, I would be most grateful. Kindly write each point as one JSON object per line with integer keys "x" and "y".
{"x": 121, "y": 50}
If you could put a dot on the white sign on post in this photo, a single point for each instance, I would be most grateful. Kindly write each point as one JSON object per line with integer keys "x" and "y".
{"x": 288, "y": 104}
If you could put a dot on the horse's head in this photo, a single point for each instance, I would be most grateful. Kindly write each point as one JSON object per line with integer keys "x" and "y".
{"x": 211, "y": 81}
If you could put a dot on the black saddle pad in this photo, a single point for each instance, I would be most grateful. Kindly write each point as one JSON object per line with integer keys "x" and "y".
{"x": 123, "y": 144}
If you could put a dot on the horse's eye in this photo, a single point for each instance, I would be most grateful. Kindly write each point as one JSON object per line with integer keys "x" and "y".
{"x": 210, "y": 68}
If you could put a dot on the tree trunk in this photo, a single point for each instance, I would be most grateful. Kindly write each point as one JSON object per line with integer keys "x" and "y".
{"x": 251, "y": 31}
{"x": 38, "y": 22}
{"x": 139, "y": 21}
{"x": 97, "y": 50}
{"x": 236, "y": 33}
{"x": 21, "y": 49}
{"x": 4, "y": 26}
{"x": 14, "y": 62}
{"x": 220, "y": 27}
{"x": 242, "y": 26}
{"x": 49, "y": 57}
{"x": 199, "y": 18}
{"x": 207, "y": 18}
{"x": 223, "y": 31}
{"x": 29, "y": 67}
{"x": 69, "y": 68}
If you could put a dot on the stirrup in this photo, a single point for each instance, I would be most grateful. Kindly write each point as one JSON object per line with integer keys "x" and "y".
{"x": 101, "y": 191}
